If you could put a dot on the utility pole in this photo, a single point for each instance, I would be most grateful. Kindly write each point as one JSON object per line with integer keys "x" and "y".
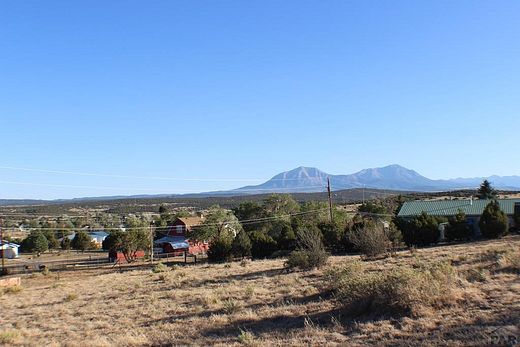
{"x": 151, "y": 242}
{"x": 3, "y": 246}
{"x": 330, "y": 199}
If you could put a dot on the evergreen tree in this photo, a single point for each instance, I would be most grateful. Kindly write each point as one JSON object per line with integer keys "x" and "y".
{"x": 81, "y": 241}
{"x": 486, "y": 191}
{"x": 219, "y": 223}
{"x": 36, "y": 242}
{"x": 128, "y": 242}
{"x": 493, "y": 222}
{"x": 241, "y": 245}
{"x": 422, "y": 230}
{"x": 220, "y": 249}
{"x": 332, "y": 236}
{"x": 458, "y": 228}
{"x": 51, "y": 238}
{"x": 263, "y": 245}
{"x": 65, "y": 243}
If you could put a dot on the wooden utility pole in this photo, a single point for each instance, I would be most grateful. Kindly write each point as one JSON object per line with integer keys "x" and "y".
{"x": 330, "y": 199}
{"x": 3, "y": 246}
{"x": 151, "y": 243}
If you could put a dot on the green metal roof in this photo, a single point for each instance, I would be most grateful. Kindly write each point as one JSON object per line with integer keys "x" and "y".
{"x": 451, "y": 207}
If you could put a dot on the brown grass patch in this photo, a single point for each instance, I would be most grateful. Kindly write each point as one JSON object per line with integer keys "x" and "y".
{"x": 263, "y": 304}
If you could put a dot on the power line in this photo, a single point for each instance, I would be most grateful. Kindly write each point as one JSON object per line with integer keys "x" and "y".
{"x": 92, "y": 174}
{"x": 245, "y": 222}
{"x": 156, "y": 190}
{"x": 77, "y": 173}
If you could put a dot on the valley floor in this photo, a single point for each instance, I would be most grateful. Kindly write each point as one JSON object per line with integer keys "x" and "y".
{"x": 257, "y": 303}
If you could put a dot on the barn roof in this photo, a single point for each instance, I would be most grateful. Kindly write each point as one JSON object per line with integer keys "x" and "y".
{"x": 191, "y": 221}
{"x": 451, "y": 207}
{"x": 6, "y": 244}
{"x": 99, "y": 233}
{"x": 177, "y": 242}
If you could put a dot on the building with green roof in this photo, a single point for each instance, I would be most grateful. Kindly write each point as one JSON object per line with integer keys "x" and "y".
{"x": 448, "y": 208}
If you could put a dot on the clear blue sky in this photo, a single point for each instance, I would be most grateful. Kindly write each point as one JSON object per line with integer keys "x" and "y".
{"x": 247, "y": 89}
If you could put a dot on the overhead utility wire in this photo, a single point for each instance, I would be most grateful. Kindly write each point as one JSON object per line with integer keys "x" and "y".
{"x": 246, "y": 221}
{"x": 143, "y": 189}
{"x": 77, "y": 173}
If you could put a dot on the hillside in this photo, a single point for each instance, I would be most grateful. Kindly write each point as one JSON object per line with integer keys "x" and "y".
{"x": 259, "y": 303}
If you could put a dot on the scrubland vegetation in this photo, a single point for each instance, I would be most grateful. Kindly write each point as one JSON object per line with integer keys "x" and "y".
{"x": 461, "y": 295}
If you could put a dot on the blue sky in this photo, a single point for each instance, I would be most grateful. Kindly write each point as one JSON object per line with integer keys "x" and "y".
{"x": 233, "y": 91}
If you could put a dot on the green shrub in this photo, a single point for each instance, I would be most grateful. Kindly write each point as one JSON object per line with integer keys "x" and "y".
{"x": 311, "y": 252}
{"x": 458, "y": 228}
{"x": 422, "y": 230}
{"x": 263, "y": 245}
{"x": 493, "y": 222}
{"x": 333, "y": 234}
{"x": 36, "y": 242}
{"x": 370, "y": 241}
{"x": 81, "y": 241}
{"x": 220, "y": 249}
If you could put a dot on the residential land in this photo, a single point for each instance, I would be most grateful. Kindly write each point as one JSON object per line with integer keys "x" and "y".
{"x": 258, "y": 303}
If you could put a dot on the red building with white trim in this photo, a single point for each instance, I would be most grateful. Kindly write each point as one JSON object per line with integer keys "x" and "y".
{"x": 176, "y": 239}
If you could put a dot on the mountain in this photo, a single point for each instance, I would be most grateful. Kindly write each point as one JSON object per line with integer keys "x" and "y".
{"x": 312, "y": 180}
{"x": 302, "y": 179}
{"x": 396, "y": 177}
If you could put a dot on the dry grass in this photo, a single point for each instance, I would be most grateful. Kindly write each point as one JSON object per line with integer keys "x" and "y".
{"x": 262, "y": 304}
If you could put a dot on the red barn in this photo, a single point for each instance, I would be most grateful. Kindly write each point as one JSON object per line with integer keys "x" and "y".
{"x": 176, "y": 239}
{"x": 117, "y": 256}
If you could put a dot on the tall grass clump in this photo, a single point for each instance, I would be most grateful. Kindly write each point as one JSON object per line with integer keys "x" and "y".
{"x": 8, "y": 337}
{"x": 11, "y": 290}
{"x": 403, "y": 290}
{"x": 372, "y": 241}
{"x": 160, "y": 267}
{"x": 310, "y": 253}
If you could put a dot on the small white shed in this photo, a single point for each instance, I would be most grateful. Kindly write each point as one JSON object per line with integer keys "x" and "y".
{"x": 8, "y": 250}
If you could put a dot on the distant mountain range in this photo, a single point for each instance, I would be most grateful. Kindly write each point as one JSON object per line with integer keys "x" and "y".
{"x": 394, "y": 177}
{"x": 311, "y": 180}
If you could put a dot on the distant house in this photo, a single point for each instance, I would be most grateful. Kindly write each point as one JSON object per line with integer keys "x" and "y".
{"x": 176, "y": 239}
{"x": 449, "y": 208}
{"x": 96, "y": 237}
{"x": 8, "y": 250}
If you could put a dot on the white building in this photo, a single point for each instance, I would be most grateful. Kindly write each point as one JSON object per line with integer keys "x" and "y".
{"x": 8, "y": 249}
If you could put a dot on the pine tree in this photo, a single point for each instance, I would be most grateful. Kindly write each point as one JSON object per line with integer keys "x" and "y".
{"x": 486, "y": 191}
{"x": 36, "y": 242}
{"x": 458, "y": 228}
{"x": 81, "y": 241}
{"x": 493, "y": 222}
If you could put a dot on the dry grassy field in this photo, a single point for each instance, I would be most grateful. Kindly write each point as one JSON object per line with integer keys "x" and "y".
{"x": 260, "y": 303}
